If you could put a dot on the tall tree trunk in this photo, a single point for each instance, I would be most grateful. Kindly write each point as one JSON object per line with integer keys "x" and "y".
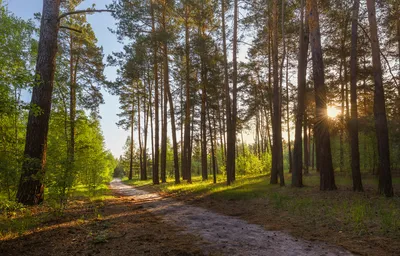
{"x": 234, "y": 88}
{"x": 382, "y": 134}
{"x": 73, "y": 65}
{"x": 164, "y": 122}
{"x": 230, "y": 149}
{"x": 353, "y": 125}
{"x": 187, "y": 153}
{"x": 147, "y": 108}
{"x": 131, "y": 145}
{"x": 313, "y": 152}
{"x": 221, "y": 133}
{"x": 343, "y": 92}
{"x": 297, "y": 176}
{"x": 31, "y": 189}
{"x": 173, "y": 124}
{"x": 156, "y": 178}
{"x": 305, "y": 143}
{"x": 167, "y": 94}
{"x": 203, "y": 123}
{"x": 277, "y": 154}
{"x": 213, "y": 147}
{"x": 322, "y": 136}
{"x": 214, "y": 167}
{"x": 288, "y": 115}
{"x": 140, "y": 138}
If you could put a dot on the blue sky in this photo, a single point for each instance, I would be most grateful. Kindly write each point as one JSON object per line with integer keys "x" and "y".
{"x": 114, "y": 136}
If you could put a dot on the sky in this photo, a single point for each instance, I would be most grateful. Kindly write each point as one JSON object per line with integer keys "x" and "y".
{"x": 114, "y": 137}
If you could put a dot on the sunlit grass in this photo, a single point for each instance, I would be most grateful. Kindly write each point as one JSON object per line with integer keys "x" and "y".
{"x": 15, "y": 218}
{"x": 100, "y": 193}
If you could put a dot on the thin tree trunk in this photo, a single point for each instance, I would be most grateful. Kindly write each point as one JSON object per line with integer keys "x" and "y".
{"x": 221, "y": 133}
{"x": 72, "y": 107}
{"x": 164, "y": 121}
{"x": 131, "y": 145}
{"x": 322, "y": 136}
{"x": 343, "y": 94}
{"x": 203, "y": 126}
{"x": 214, "y": 167}
{"x": 353, "y": 125}
{"x": 156, "y": 179}
{"x": 297, "y": 176}
{"x": 288, "y": 115}
{"x": 187, "y": 153}
{"x": 277, "y": 154}
{"x": 230, "y": 150}
{"x": 140, "y": 138}
{"x": 382, "y": 134}
{"x": 31, "y": 189}
{"x": 305, "y": 143}
{"x": 234, "y": 88}
{"x": 146, "y": 127}
{"x": 167, "y": 94}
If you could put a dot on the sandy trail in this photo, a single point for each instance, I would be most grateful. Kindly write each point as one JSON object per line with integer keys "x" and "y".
{"x": 226, "y": 234}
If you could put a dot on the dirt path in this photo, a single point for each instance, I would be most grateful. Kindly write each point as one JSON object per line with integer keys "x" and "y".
{"x": 228, "y": 234}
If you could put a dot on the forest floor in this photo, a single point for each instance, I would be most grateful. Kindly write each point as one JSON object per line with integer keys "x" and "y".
{"x": 117, "y": 226}
{"x": 250, "y": 217}
{"x": 362, "y": 223}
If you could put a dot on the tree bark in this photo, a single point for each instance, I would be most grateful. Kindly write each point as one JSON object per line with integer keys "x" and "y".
{"x": 382, "y": 134}
{"x": 131, "y": 146}
{"x": 164, "y": 122}
{"x": 322, "y": 136}
{"x": 305, "y": 143}
{"x": 156, "y": 178}
{"x": 234, "y": 88}
{"x": 277, "y": 154}
{"x": 172, "y": 113}
{"x": 187, "y": 153}
{"x": 297, "y": 176}
{"x": 230, "y": 149}
{"x": 31, "y": 189}
{"x": 353, "y": 125}
{"x": 203, "y": 122}
{"x": 140, "y": 137}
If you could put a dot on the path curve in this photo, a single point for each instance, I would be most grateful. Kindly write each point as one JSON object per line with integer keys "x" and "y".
{"x": 226, "y": 234}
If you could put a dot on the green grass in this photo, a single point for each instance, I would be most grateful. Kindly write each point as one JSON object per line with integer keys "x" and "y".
{"x": 100, "y": 193}
{"x": 136, "y": 182}
{"x": 16, "y": 218}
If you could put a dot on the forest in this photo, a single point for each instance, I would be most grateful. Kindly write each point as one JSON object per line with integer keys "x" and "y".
{"x": 255, "y": 128}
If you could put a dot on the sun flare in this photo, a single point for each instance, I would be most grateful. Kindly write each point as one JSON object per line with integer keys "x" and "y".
{"x": 333, "y": 112}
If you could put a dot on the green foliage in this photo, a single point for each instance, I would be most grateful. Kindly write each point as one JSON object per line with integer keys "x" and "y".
{"x": 17, "y": 51}
{"x": 93, "y": 166}
{"x": 251, "y": 164}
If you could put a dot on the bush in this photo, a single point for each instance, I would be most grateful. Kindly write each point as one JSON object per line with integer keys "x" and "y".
{"x": 251, "y": 164}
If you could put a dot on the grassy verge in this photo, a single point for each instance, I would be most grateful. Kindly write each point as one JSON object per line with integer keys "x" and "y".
{"x": 15, "y": 218}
